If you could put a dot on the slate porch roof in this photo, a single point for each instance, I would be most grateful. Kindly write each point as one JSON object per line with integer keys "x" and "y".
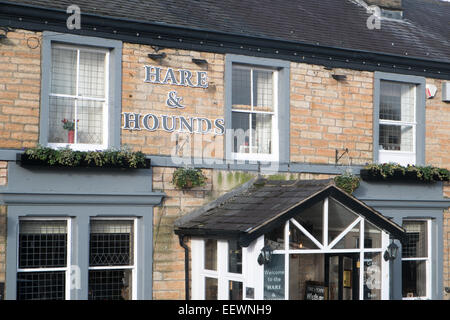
{"x": 261, "y": 205}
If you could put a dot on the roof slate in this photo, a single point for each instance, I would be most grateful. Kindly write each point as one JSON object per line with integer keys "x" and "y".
{"x": 423, "y": 33}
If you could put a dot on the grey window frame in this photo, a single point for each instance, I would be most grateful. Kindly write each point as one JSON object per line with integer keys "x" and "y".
{"x": 283, "y": 68}
{"x": 115, "y": 80}
{"x": 420, "y": 112}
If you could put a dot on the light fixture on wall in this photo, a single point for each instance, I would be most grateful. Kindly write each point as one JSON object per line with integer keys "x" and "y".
{"x": 199, "y": 61}
{"x": 4, "y": 32}
{"x": 391, "y": 252}
{"x": 157, "y": 56}
{"x": 339, "y": 77}
{"x": 266, "y": 255}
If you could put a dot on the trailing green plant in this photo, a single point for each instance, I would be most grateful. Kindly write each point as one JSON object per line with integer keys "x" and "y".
{"x": 66, "y": 157}
{"x": 186, "y": 178}
{"x": 347, "y": 182}
{"x": 393, "y": 170}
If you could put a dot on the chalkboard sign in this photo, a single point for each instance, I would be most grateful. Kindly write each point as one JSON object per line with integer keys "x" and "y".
{"x": 316, "y": 291}
{"x": 274, "y": 278}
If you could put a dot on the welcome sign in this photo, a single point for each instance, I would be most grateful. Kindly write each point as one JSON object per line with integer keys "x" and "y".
{"x": 174, "y": 123}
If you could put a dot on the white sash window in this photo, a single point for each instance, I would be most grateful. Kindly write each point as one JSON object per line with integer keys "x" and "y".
{"x": 254, "y": 113}
{"x": 397, "y": 122}
{"x": 78, "y": 98}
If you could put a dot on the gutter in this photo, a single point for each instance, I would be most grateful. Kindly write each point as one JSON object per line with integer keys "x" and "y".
{"x": 164, "y": 35}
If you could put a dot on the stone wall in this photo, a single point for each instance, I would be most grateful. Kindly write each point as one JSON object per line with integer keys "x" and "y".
{"x": 20, "y": 85}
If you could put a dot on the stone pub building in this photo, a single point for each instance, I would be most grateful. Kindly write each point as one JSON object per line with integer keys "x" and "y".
{"x": 248, "y": 116}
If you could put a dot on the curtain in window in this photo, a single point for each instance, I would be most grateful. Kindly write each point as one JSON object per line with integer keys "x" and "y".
{"x": 263, "y": 132}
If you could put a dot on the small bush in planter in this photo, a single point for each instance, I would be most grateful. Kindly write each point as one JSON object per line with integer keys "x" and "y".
{"x": 186, "y": 178}
{"x": 347, "y": 182}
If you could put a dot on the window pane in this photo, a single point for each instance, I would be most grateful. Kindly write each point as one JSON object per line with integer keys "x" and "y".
{"x": 234, "y": 257}
{"x": 241, "y": 86}
{"x": 372, "y": 276}
{"x": 262, "y": 90}
{"x": 61, "y": 109}
{"x": 211, "y": 254}
{"x": 210, "y": 288}
{"x": 262, "y": 137}
{"x": 339, "y": 218}
{"x": 350, "y": 240}
{"x": 372, "y": 236}
{"x": 109, "y": 285}
{"x": 41, "y": 285}
{"x": 64, "y": 66}
{"x": 111, "y": 243}
{"x": 90, "y": 125}
{"x": 414, "y": 279}
{"x": 42, "y": 244}
{"x": 397, "y": 101}
{"x": 307, "y": 270}
{"x": 92, "y": 74}
{"x": 312, "y": 220}
{"x": 417, "y": 245}
{"x": 398, "y": 138}
{"x": 275, "y": 238}
{"x": 235, "y": 292}
{"x": 298, "y": 240}
{"x": 333, "y": 278}
{"x": 240, "y": 124}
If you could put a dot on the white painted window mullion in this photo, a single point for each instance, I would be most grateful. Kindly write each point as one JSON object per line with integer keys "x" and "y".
{"x": 325, "y": 222}
{"x": 361, "y": 261}
{"x": 309, "y": 235}
{"x": 343, "y": 233}
{"x": 286, "y": 260}
{"x": 222, "y": 281}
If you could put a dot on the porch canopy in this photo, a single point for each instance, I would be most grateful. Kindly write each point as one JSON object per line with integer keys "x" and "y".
{"x": 261, "y": 205}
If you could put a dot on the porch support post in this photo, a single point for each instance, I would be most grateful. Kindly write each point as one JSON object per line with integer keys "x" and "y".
{"x": 396, "y": 269}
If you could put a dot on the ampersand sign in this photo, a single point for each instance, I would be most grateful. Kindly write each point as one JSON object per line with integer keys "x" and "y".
{"x": 173, "y": 101}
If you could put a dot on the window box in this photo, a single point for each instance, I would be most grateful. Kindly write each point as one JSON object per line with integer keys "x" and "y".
{"x": 392, "y": 172}
{"x": 66, "y": 158}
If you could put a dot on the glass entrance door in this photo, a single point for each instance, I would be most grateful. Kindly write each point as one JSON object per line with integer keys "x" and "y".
{"x": 342, "y": 276}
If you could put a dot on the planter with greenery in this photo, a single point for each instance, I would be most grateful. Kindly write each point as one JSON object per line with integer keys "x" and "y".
{"x": 187, "y": 178}
{"x": 68, "y": 158}
{"x": 396, "y": 172}
{"x": 347, "y": 182}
